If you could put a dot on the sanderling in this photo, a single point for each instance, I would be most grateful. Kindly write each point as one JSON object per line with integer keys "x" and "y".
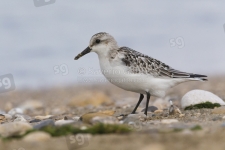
{"x": 134, "y": 71}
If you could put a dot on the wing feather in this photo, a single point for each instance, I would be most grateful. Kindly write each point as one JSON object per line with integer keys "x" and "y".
{"x": 140, "y": 63}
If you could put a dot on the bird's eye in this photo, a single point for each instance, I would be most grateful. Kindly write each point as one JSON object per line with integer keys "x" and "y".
{"x": 97, "y": 41}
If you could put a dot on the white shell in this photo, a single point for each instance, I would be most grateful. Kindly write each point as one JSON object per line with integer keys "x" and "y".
{"x": 199, "y": 96}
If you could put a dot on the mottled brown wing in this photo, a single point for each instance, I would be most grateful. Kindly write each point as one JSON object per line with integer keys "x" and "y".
{"x": 140, "y": 63}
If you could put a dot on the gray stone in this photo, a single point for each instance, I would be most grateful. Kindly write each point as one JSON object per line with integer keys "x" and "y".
{"x": 14, "y": 128}
{"x": 44, "y": 123}
{"x": 35, "y": 120}
{"x": 150, "y": 109}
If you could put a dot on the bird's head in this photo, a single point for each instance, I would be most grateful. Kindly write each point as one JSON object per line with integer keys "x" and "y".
{"x": 101, "y": 43}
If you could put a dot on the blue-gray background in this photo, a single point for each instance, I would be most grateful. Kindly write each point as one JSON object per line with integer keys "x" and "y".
{"x": 33, "y": 40}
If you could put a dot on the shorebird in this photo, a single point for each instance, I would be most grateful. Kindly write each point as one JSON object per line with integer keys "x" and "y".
{"x": 134, "y": 71}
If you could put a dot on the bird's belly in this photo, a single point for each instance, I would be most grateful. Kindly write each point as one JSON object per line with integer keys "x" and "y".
{"x": 139, "y": 83}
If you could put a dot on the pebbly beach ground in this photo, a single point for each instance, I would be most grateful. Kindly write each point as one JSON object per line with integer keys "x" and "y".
{"x": 84, "y": 106}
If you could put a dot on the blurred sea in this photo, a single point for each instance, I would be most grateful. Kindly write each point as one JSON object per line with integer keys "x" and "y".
{"x": 38, "y": 44}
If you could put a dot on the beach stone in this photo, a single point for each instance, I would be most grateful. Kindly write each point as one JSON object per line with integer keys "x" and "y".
{"x": 44, "y": 123}
{"x": 169, "y": 121}
{"x": 104, "y": 120}
{"x": 2, "y": 117}
{"x": 64, "y": 122}
{"x": 35, "y": 120}
{"x": 44, "y": 117}
{"x": 199, "y": 96}
{"x": 150, "y": 109}
{"x": 219, "y": 110}
{"x": 38, "y": 136}
{"x": 158, "y": 111}
{"x": 90, "y": 98}
{"x": 7, "y": 116}
{"x": 19, "y": 118}
{"x": 108, "y": 112}
{"x": 31, "y": 105}
{"x": 76, "y": 118}
{"x": 14, "y": 128}
{"x": 15, "y": 111}
{"x": 86, "y": 118}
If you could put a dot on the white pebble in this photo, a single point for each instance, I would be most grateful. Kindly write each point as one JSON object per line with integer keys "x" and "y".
{"x": 199, "y": 96}
{"x": 63, "y": 122}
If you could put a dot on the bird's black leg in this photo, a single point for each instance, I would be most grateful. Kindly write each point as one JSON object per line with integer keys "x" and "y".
{"x": 147, "y": 102}
{"x": 140, "y": 99}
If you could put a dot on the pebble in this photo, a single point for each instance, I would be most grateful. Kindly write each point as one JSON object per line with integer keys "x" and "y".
{"x": 199, "y": 96}
{"x": 150, "y": 109}
{"x": 158, "y": 111}
{"x": 2, "y": 117}
{"x": 19, "y": 118}
{"x": 44, "y": 123}
{"x": 15, "y": 111}
{"x": 44, "y": 117}
{"x": 38, "y": 136}
{"x": 64, "y": 122}
{"x": 76, "y": 118}
{"x": 169, "y": 121}
{"x": 219, "y": 110}
{"x": 86, "y": 118}
{"x": 7, "y": 116}
{"x": 14, "y": 128}
{"x": 181, "y": 115}
{"x": 35, "y": 120}
{"x": 104, "y": 120}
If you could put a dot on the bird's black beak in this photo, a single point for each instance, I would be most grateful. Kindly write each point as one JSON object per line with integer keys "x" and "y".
{"x": 87, "y": 50}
